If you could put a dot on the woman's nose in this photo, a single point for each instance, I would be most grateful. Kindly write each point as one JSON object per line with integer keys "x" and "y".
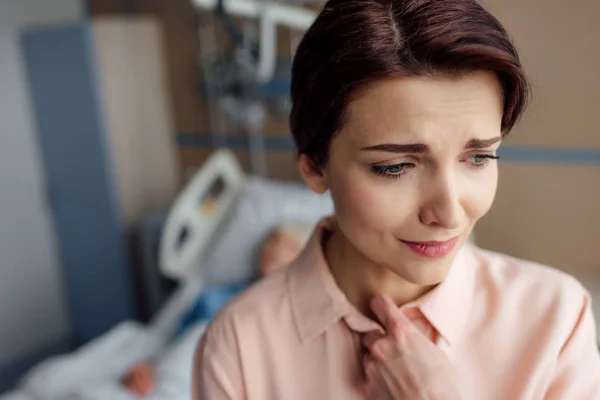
{"x": 441, "y": 206}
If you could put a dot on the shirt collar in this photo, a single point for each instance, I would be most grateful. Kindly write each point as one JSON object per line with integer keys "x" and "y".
{"x": 317, "y": 302}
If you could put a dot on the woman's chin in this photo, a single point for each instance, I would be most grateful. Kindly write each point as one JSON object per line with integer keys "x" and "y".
{"x": 425, "y": 271}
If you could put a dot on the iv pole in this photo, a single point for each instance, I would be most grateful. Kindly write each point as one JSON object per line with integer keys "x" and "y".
{"x": 270, "y": 16}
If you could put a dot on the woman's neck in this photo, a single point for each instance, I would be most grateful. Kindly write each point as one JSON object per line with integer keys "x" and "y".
{"x": 360, "y": 279}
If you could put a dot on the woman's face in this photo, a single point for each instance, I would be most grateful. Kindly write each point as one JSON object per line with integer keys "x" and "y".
{"x": 413, "y": 169}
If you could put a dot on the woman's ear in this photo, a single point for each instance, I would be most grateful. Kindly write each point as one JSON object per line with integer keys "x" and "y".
{"x": 312, "y": 174}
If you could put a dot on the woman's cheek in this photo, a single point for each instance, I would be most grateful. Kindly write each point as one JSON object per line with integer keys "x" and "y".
{"x": 366, "y": 202}
{"x": 481, "y": 194}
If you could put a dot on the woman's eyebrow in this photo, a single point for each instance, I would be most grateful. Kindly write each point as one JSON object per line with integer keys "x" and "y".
{"x": 417, "y": 148}
{"x": 399, "y": 148}
{"x": 482, "y": 143}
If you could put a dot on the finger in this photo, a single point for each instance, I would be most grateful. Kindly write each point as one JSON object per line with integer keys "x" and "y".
{"x": 376, "y": 387}
{"x": 370, "y": 369}
{"x": 393, "y": 385}
{"x": 390, "y": 316}
{"x": 366, "y": 389}
{"x": 368, "y": 339}
{"x": 380, "y": 304}
{"x": 369, "y": 391}
{"x": 382, "y": 348}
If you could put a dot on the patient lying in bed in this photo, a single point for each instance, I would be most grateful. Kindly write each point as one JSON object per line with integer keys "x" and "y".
{"x": 278, "y": 249}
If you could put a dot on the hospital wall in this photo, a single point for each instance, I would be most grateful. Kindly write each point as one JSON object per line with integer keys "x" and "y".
{"x": 33, "y": 311}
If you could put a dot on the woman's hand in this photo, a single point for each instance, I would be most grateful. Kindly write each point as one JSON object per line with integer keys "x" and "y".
{"x": 402, "y": 363}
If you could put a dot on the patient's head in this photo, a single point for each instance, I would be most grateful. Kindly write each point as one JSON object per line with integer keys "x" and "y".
{"x": 281, "y": 247}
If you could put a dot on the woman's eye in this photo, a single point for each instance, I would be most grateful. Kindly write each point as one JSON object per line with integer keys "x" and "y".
{"x": 481, "y": 160}
{"x": 394, "y": 171}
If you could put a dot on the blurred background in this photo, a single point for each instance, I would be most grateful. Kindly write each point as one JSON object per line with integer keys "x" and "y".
{"x": 109, "y": 108}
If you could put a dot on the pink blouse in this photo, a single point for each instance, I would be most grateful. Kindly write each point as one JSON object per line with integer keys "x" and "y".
{"x": 513, "y": 330}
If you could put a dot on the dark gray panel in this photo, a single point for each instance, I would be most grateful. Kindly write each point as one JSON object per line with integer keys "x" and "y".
{"x": 60, "y": 68}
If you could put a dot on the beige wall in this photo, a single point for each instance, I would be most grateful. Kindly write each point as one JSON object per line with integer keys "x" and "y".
{"x": 559, "y": 46}
{"x": 133, "y": 83}
{"x": 548, "y": 213}
{"x": 551, "y": 212}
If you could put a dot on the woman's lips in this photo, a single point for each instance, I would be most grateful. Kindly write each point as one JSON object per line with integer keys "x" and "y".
{"x": 432, "y": 249}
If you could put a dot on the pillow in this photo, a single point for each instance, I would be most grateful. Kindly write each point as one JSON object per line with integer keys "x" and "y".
{"x": 263, "y": 205}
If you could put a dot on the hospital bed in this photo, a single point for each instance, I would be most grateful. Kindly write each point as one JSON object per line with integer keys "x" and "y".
{"x": 209, "y": 237}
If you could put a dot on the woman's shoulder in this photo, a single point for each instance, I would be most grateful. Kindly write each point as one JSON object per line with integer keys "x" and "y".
{"x": 521, "y": 281}
{"x": 263, "y": 303}
{"x": 506, "y": 270}
{"x": 531, "y": 293}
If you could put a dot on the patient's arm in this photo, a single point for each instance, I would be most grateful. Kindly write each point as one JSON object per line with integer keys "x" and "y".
{"x": 141, "y": 378}
{"x": 209, "y": 303}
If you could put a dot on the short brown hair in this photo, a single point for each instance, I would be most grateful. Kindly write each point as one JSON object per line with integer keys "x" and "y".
{"x": 355, "y": 42}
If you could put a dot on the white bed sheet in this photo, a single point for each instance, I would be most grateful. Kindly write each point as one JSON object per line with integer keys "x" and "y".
{"x": 16, "y": 395}
{"x": 94, "y": 372}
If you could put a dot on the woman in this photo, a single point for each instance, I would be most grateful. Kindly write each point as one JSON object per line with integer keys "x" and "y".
{"x": 399, "y": 107}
